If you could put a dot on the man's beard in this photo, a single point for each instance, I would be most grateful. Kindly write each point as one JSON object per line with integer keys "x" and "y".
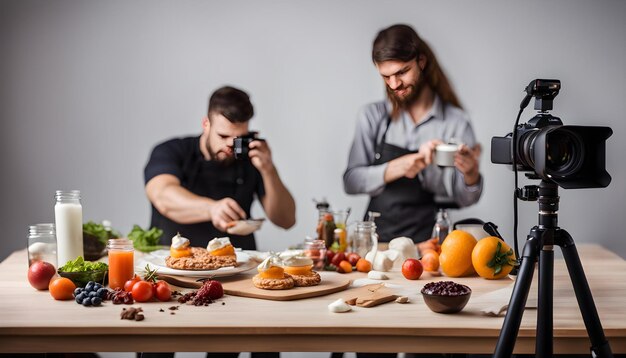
{"x": 225, "y": 158}
{"x": 401, "y": 103}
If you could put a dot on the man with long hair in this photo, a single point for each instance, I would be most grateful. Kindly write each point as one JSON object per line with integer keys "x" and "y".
{"x": 391, "y": 158}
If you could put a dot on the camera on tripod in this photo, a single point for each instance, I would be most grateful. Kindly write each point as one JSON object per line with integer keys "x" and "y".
{"x": 571, "y": 156}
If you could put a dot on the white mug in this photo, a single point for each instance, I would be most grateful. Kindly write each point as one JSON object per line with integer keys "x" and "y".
{"x": 444, "y": 154}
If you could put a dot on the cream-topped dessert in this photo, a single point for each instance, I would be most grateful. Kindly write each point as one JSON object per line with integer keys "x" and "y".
{"x": 219, "y": 253}
{"x": 272, "y": 275}
{"x": 180, "y": 246}
{"x": 220, "y": 246}
{"x": 300, "y": 267}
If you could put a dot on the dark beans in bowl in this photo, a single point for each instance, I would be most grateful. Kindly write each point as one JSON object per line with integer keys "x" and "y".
{"x": 446, "y": 296}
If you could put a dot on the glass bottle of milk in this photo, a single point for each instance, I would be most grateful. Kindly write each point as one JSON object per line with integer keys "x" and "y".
{"x": 68, "y": 217}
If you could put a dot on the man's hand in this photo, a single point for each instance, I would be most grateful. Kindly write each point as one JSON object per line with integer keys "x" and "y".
{"x": 224, "y": 211}
{"x": 428, "y": 150}
{"x": 466, "y": 161}
{"x": 261, "y": 156}
{"x": 407, "y": 165}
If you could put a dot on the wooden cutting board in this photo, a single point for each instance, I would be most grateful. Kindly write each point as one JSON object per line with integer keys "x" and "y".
{"x": 242, "y": 285}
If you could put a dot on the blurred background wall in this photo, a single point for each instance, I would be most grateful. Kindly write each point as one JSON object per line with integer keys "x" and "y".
{"x": 88, "y": 87}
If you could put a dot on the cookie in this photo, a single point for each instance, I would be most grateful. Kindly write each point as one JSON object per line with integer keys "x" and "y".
{"x": 200, "y": 259}
{"x": 273, "y": 283}
{"x": 307, "y": 280}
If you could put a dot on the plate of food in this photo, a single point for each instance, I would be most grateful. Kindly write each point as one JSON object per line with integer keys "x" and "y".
{"x": 219, "y": 259}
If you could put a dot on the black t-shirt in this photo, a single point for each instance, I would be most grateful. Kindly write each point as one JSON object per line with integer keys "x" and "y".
{"x": 182, "y": 158}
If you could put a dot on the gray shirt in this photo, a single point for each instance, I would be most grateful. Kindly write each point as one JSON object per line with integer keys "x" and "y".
{"x": 445, "y": 122}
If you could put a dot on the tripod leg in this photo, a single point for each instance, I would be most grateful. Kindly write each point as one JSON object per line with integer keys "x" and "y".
{"x": 543, "y": 342}
{"x": 599, "y": 345}
{"x": 513, "y": 318}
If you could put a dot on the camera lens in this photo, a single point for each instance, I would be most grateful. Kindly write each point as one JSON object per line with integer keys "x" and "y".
{"x": 564, "y": 152}
{"x": 525, "y": 150}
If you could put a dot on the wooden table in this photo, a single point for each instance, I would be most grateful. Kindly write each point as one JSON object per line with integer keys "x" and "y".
{"x": 31, "y": 321}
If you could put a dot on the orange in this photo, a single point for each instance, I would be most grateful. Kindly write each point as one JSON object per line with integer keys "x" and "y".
{"x": 456, "y": 254}
{"x": 430, "y": 244}
{"x": 62, "y": 288}
{"x": 344, "y": 267}
{"x": 430, "y": 260}
{"x": 492, "y": 258}
{"x": 363, "y": 265}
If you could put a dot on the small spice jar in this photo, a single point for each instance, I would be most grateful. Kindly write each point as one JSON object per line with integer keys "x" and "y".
{"x": 316, "y": 251}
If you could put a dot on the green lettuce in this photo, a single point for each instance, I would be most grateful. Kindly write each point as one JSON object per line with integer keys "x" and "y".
{"x": 80, "y": 265}
{"x": 99, "y": 231}
{"x": 145, "y": 240}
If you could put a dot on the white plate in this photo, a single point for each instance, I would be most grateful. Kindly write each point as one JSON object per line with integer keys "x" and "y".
{"x": 156, "y": 260}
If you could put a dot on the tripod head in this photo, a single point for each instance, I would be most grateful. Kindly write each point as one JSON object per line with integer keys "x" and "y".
{"x": 547, "y": 195}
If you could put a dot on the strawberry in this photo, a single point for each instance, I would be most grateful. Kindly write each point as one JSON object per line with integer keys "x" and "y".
{"x": 211, "y": 289}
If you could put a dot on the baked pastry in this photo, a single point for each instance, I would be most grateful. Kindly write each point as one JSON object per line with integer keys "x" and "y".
{"x": 219, "y": 253}
{"x": 300, "y": 268}
{"x": 200, "y": 259}
{"x": 272, "y": 276}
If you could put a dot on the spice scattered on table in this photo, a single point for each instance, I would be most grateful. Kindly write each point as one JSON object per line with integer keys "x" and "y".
{"x": 207, "y": 294}
{"x": 132, "y": 313}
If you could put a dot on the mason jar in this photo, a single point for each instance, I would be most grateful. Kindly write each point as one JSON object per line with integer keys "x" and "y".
{"x": 68, "y": 219}
{"x": 364, "y": 237}
{"x": 42, "y": 244}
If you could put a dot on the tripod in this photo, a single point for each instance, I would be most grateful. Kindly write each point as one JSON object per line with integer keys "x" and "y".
{"x": 539, "y": 247}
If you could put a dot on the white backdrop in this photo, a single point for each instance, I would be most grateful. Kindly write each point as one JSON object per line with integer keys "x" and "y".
{"x": 88, "y": 87}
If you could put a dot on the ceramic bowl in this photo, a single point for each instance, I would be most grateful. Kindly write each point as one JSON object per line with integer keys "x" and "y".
{"x": 446, "y": 304}
{"x": 446, "y": 296}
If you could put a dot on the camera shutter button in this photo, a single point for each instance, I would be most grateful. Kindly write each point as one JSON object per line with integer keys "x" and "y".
{"x": 239, "y": 181}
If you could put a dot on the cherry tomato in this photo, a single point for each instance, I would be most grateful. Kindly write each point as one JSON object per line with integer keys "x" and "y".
{"x": 163, "y": 291}
{"x": 142, "y": 291}
{"x": 128, "y": 286}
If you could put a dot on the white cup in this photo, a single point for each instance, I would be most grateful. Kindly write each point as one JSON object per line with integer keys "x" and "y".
{"x": 444, "y": 154}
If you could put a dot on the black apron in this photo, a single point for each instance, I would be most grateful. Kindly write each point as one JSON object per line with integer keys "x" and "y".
{"x": 405, "y": 207}
{"x": 212, "y": 180}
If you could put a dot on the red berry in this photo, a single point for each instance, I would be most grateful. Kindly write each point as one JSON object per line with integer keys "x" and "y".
{"x": 211, "y": 289}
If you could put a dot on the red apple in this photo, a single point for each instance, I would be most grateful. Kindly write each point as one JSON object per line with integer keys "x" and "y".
{"x": 353, "y": 258}
{"x": 339, "y": 256}
{"x": 40, "y": 273}
{"x": 329, "y": 256}
{"x": 412, "y": 269}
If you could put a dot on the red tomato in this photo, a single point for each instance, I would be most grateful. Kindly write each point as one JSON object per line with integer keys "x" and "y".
{"x": 142, "y": 291}
{"x": 128, "y": 286}
{"x": 163, "y": 291}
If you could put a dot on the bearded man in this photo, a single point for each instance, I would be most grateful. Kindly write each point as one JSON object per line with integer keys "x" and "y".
{"x": 391, "y": 158}
{"x": 196, "y": 187}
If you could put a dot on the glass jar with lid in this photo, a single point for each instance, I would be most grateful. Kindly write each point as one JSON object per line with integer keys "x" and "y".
{"x": 42, "y": 244}
{"x": 316, "y": 251}
{"x": 364, "y": 237}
